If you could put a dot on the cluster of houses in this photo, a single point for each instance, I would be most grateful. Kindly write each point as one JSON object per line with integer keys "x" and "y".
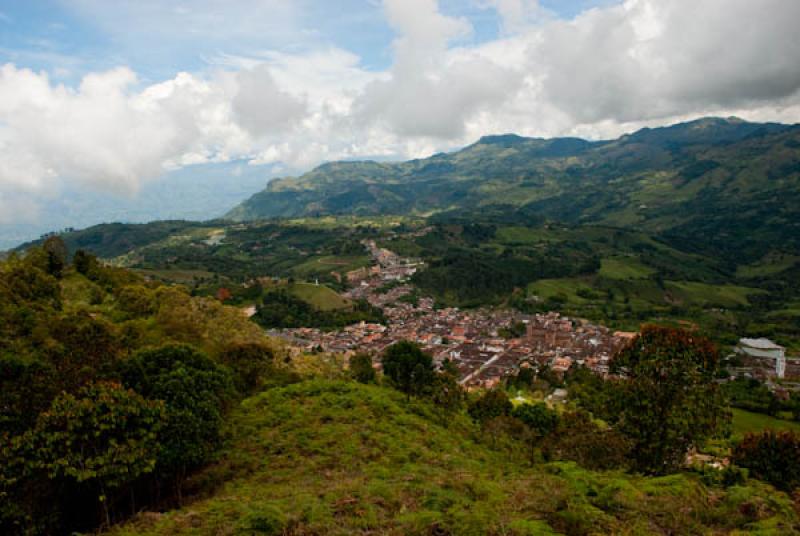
{"x": 487, "y": 345}
{"x": 481, "y": 343}
{"x": 388, "y": 267}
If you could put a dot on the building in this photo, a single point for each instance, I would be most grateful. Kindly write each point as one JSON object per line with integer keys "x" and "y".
{"x": 762, "y": 356}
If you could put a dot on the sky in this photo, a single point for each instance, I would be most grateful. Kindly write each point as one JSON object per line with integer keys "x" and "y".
{"x": 108, "y": 105}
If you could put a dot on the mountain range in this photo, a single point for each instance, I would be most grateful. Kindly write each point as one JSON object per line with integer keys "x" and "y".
{"x": 724, "y": 183}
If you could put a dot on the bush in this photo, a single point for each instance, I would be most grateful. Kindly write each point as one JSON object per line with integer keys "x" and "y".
{"x": 538, "y": 417}
{"x": 250, "y": 363}
{"x": 361, "y": 368}
{"x": 408, "y": 367}
{"x": 490, "y": 405}
{"x": 195, "y": 390}
{"x": 771, "y": 456}
{"x": 577, "y": 438}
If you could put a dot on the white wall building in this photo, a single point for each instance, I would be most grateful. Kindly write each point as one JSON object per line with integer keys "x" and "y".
{"x": 763, "y": 351}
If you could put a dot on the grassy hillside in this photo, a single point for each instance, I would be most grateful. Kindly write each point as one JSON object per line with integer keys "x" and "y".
{"x": 330, "y": 457}
{"x": 319, "y": 296}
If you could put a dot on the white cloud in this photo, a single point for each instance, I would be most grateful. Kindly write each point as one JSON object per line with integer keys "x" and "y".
{"x": 518, "y": 15}
{"x": 261, "y": 107}
{"x": 432, "y": 92}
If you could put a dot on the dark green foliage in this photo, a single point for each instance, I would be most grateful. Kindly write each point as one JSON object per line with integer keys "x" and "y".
{"x": 195, "y": 391}
{"x": 538, "y": 417}
{"x": 752, "y": 395}
{"x": 471, "y": 277}
{"x": 57, "y": 253}
{"x": 82, "y": 348}
{"x": 84, "y": 262}
{"x": 579, "y": 439}
{"x": 669, "y": 399}
{"x": 445, "y": 391}
{"x": 361, "y": 368}
{"x": 104, "y": 437}
{"x": 105, "y": 434}
{"x": 281, "y": 309}
{"x": 27, "y": 385}
{"x": 68, "y": 432}
{"x": 26, "y": 283}
{"x": 408, "y": 367}
{"x": 490, "y": 405}
{"x": 137, "y": 300}
{"x": 250, "y": 363}
{"x": 597, "y": 395}
{"x": 523, "y": 379}
{"x": 772, "y": 456}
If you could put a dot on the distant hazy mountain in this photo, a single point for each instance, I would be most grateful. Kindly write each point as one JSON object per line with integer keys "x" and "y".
{"x": 198, "y": 192}
{"x": 714, "y": 180}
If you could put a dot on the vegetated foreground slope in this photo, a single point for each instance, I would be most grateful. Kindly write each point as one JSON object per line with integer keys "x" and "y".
{"x": 335, "y": 457}
{"x": 724, "y": 183}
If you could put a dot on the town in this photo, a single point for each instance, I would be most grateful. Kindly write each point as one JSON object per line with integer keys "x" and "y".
{"x": 486, "y": 345}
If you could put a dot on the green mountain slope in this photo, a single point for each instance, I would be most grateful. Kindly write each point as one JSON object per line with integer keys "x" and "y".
{"x": 724, "y": 183}
{"x": 340, "y": 458}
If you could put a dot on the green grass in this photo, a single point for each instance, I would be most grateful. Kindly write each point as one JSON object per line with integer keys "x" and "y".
{"x": 330, "y": 263}
{"x": 176, "y": 275}
{"x": 524, "y": 235}
{"x": 624, "y": 268}
{"x": 705, "y": 295}
{"x": 771, "y": 264}
{"x": 547, "y": 288}
{"x": 331, "y": 457}
{"x": 747, "y": 421}
{"x": 320, "y": 296}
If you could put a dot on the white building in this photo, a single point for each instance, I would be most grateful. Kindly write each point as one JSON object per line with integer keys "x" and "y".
{"x": 763, "y": 353}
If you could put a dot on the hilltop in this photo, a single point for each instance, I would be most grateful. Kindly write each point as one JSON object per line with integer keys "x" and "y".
{"x": 336, "y": 457}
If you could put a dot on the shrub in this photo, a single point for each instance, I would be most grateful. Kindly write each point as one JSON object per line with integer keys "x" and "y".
{"x": 361, "y": 368}
{"x": 490, "y": 405}
{"x": 577, "y": 438}
{"x": 538, "y": 417}
{"x": 250, "y": 363}
{"x": 771, "y": 456}
{"x": 408, "y": 367}
{"x": 195, "y": 391}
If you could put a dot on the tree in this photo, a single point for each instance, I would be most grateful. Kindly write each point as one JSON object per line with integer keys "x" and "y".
{"x": 137, "y": 300}
{"x": 250, "y": 364}
{"x": 85, "y": 263}
{"x": 57, "y": 253}
{"x": 492, "y": 404}
{"x": 524, "y": 378}
{"x": 27, "y": 386}
{"x": 361, "y": 368}
{"x": 772, "y": 456}
{"x": 538, "y": 417}
{"x": 669, "y": 399}
{"x": 408, "y": 367}
{"x": 85, "y": 348}
{"x": 580, "y": 439}
{"x": 445, "y": 390}
{"x": 106, "y": 435}
{"x": 195, "y": 391}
